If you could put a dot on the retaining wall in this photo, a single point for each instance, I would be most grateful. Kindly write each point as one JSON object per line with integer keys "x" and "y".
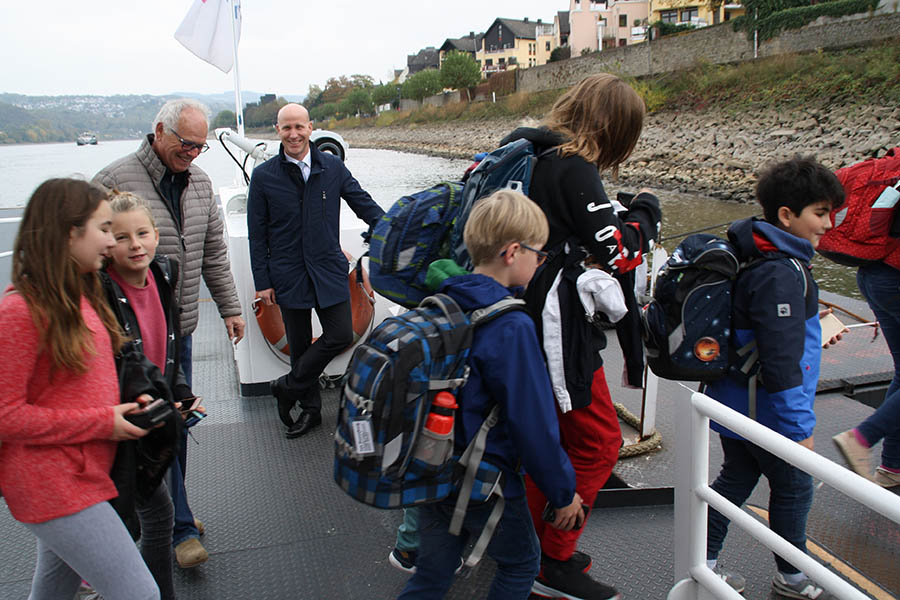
{"x": 717, "y": 44}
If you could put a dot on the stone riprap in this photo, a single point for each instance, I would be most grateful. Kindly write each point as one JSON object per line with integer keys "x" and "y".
{"x": 714, "y": 152}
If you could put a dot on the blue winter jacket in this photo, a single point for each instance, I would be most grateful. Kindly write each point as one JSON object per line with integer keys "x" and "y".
{"x": 769, "y": 306}
{"x": 295, "y": 244}
{"x": 507, "y": 368}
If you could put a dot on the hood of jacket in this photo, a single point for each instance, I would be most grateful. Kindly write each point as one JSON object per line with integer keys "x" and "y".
{"x": 474, "y": 291}
{"x": 755, "y": 238}
{"x": 541, "y": 137}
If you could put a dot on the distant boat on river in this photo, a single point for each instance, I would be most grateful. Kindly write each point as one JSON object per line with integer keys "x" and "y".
{"x": 86, "y": 138}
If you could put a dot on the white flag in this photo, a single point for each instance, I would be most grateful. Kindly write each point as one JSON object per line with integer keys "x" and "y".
{"x": 207, "y": 31}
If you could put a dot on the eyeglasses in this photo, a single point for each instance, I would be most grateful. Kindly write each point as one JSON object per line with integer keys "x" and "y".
{"x": 188, "y": 146}
{"x": 541, "y": 255}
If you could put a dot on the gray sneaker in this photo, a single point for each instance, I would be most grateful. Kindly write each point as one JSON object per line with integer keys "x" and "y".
{"x": 736, "y": 581}
{"x": 805, "y": 589}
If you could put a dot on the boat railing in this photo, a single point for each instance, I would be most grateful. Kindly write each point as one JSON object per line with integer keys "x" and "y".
{"x": 693, "y": 496}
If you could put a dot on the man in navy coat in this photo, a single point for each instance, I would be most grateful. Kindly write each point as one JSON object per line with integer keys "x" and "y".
{"x": 293, "y": 221}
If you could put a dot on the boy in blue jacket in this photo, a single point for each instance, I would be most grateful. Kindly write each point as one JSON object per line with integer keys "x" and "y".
{"x": 503, "y": 236}
{"x": 775, "y": 303}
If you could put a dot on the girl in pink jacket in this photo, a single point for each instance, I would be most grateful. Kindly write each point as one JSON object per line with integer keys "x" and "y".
{"x": 60, "y": 416}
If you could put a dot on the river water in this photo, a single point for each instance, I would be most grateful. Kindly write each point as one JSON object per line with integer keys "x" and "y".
{"x": 386, "y": 174}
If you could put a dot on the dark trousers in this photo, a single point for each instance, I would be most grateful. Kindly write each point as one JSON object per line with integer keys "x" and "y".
{"x": 790, "y": 497}
{"x": 514, "y": 547}
{"x": 308, "y": 358}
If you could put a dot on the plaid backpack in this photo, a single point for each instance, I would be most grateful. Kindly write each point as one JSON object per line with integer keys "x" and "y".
{"x": 384, "y": 457}
{"x": 409, "y": 237}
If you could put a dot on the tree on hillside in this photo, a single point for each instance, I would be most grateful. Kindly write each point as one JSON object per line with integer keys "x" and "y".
{"x": 360, "y": 101}
{"x": 362, "y": 81}
{"x": 460, "y": 71}
{"x": 225, "y": 118}
{"x": 561, "y": 53}
{"x": 422, "y": 84}
{"x": 313, "y": 96}
{"x": 263, "y": 115}
{"x": 385, "y": 93}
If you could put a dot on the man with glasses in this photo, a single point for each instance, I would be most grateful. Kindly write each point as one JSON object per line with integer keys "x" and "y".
{"x": 190, "y": 230}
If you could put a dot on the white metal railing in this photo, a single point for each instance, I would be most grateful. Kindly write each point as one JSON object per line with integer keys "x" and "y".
{"x": 692, "y": 496}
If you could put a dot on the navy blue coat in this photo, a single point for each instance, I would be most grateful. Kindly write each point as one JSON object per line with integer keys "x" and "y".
{"x": 295, "y": 244}
{"x": 769, "y": 306}
{"x": 507, "y": 368}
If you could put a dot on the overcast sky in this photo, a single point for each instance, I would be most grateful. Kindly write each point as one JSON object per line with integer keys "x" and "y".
{"x": 54, "y": 47}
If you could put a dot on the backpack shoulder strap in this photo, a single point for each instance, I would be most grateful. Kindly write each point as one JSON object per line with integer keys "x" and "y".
{"x": 470, "y": 459}
{"x": 483, "y": 315}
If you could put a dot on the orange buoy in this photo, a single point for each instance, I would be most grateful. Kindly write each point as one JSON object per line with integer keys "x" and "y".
{"x": 362, "y": 308}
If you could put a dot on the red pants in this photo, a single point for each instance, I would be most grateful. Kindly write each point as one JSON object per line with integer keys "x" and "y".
{"x": 591, "y": 437}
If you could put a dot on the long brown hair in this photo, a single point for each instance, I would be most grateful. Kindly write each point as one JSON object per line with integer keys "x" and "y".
{"x": 44, "y": 272}
{"x": 601, "y": 118}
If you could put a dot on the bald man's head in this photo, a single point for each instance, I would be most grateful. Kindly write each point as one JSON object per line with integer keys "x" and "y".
{"x": 294, "y": 130}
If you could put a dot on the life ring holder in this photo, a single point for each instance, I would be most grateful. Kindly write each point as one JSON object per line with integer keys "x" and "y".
{"x": 362, "y": 307}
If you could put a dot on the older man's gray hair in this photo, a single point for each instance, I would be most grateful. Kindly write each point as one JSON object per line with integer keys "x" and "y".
{"x": 170, "y": 113}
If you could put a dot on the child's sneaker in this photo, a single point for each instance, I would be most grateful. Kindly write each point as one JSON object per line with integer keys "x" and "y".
{"x": 804, "y": 589}
{"x": 566, "y": 580}
{"x": 886, "y": 478}
{"x": 737, "y": 582}
{"x": 405, "y": 560}
{"x": 855, "y": 453}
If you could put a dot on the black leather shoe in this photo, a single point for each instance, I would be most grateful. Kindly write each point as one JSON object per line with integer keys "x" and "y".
{"x": 306, "y": 422}
{"x": 285, "y": 402}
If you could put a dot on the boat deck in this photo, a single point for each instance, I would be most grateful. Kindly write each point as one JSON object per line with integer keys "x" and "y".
{"x": 278, "y": 527}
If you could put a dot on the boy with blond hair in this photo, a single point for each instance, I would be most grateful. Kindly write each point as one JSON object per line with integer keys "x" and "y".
{"x": 503, "y": 235}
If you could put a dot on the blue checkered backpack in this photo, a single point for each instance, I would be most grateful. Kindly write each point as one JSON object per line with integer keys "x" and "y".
{"x": 428, "y": 225}
{"x": 409, "y": 237}
{"x": 383, "y": 455}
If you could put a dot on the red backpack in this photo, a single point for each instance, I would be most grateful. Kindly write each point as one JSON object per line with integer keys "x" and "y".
{"x": 863, "y": 233}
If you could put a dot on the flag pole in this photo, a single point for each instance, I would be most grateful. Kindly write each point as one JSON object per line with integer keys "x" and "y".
{"x": 238, "y": 110}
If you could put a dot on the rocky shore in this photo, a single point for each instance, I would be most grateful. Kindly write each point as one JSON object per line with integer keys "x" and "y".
{"x": 715, "y": 152}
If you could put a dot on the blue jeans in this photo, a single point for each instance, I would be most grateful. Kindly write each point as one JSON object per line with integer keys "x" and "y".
{"x": 408, "y": 531}
{"x": 880, "y": 284}
{"x": 790, "y": 497}
{"x": 184, "y": 518}
{"x": 514, "y": 547}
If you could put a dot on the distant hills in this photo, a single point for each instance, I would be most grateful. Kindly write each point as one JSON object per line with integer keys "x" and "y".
{"x": 32, "y": 119}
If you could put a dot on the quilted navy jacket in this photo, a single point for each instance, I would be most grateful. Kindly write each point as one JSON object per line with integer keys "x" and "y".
{"x": 769, "y": 306}
{"x": 295, "y": 244}
{"x": 507, "y": 368}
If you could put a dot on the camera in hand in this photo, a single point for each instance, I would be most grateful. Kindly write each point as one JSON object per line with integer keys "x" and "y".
{"x": 151, "y": 415}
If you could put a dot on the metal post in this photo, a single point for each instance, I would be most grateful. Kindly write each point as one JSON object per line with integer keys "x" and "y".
{"x": 238, "y": 103}
{"x": 691, "y": 460}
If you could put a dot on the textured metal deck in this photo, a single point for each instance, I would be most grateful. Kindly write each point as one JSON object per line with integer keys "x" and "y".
{"x": 279, "y": 528}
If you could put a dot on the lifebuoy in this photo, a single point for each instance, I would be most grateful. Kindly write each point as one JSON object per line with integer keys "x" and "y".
{"x": 362, "y": 307}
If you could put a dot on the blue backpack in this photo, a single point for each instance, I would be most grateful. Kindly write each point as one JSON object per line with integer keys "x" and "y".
{"x": 384, "y": 455}
{"x": 508, "y": 167}
{"x": 409, "y": 237}
{"x": 428, "y": 225}
{"x": 687, "y": 323}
